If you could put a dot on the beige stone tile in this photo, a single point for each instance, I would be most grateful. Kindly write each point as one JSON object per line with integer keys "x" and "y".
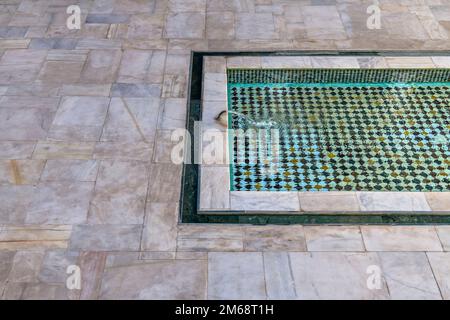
{"x": 236, "y": 275}
{"x": 63, "y": 150}
{"x": 158, "y": 279}
{"x": 278, "y": 276}
{"x": 409, "y": 276}
{"x": 160, "y": 228}
{"x": 141, "y": 66}
{"x": 243, "y": 62}
{"x": 120, "y": 193}
{"x": 61, "y": 71}
{"x": 323, "y": 22}
{"x": 60, "y": 203}
{"x": 101, "y": 66}
{"x": 173, "y": 114}
{"x": 14, "y": 43}
{"x": 214, "y": 188}
{"x": 131, "y": 120}
{"x": 139, "y": 151}
{"x": 29, "y": 102}
{"x": 400, "y": 238}
{"x": 220, "y": 25}
{"x": 213, "y": 64}
{"x": 23, "y": 56}
{"x": 255, "y": 26}
{"x": 34, "y": 237}
{"x": 164, "y": 182}
{"x": 410, "y": 62}
{"x": 70, "y": 170}
{"x": 334, "y": 238}
{"x": 286, "y": 62}
{"x": 168, "y": 146}
{"x": 274, "y": 238}
{"x": 206, "y": 244}
{"x": 20, "y": 171}
{"x": 187, "y": 25}
{"x": 393, "y": 201}
{"x": 438, "y": 201}
{"x": 191, "y": 255}
{"x": 92, "y": 265}
{"x": 440, "y": 263}
{"x": 215, "y": 87}
{"x": 444, "y": 235}
{"x": 264, "y": 201}
{"x": 372, "y": 62}
{"x": 101, "y": 90}
{"x": 177, "y": 64}
{"x": 328, "y": 201}
{"x": 334, "y": 276}
{"x": 335, "y": 62}
{"x": 441, "y": 62}
{"x": 157, "y": 255}
{"x": 210, "y": 231}
{"x": 187, "y": 5}
{"x": 145, "y": 26}
{"x": 106, "y": 237}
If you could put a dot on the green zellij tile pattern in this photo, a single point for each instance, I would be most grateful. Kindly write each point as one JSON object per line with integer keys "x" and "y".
{"x": 342, "y": 137}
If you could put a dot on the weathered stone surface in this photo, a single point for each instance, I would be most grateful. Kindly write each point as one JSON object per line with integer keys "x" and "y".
{"x": 79, "y": 119}
{"x": 92, "y": 265}
{"x": 160, "y": 228}
{"x": 177, "y": 279}
{"x": 20, "y": 171}
{"x": 131, "y": 120}
{"x": 26, "y": 266}
{"x": 164, "y": 182}
{"x": 60, "y": 203}
{"x": 24, "y": 123}
{"x": 54, "y": 265}
{"x": 101, "y": 66}
{"x": 236, "y": 275}
{"x": 124, "y": 151}
{"x": 70, "y": 170}
{"x": 444, "y": 236}
{"x": 335, "y": 275}
{"x": 106, "y": 237}
{"x": 409, "y": 276}
{"x": 135, "y": 90}
{"x": 63, "y": 150}
{"x": 120, "y": 193}
{"x": 15, "y": 201}
{"x": 400, "y": 238}
{"x": 274, "y": 238}
{"x": 278, "y": 276}
{"x": 34, "y": 237}
{"x": 61, "y": 71}
{"x": 440, "y": 263}
{"x": 187, "y": 25}
{"x": 334, "y": 238}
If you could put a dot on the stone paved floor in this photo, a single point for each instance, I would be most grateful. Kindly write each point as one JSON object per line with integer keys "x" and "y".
{"x": 85, "y": 174}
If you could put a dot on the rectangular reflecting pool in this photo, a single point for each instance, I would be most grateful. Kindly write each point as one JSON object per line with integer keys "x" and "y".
{"x": 340, "y": 129}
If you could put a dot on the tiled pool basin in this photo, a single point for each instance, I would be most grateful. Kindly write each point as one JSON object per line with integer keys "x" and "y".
{"x": 341, "y": 129}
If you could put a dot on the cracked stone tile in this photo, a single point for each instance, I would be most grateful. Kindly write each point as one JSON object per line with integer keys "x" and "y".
{"x": 333, "y": 238}
{"x": 409, "y": 276}
{"x": 101, "y": 66}
{"x": 160, "y": 228}
{"x": 106, "y": 237}
{"x": 79, "y": 119}
{"x": 20, "y": 171}
{"x": 334, "y": 276}
{"x": 120, "y": 193}
{"x": 236, "y": 275}
{"x": 186, "y": 25}
{"x": 60, "y": 203}
{"x": 139, "y": 66}
{"x": 440, "y": 263}
{"x": 400, "y": 238}
{"x": 131, "y": 120}
{"x": 278, "y": 276}
{"x": 24, "y": 123}
{"x": 157, "y": 279}
{"x": 444, "y": 235}
{"x": 70, "y": 170}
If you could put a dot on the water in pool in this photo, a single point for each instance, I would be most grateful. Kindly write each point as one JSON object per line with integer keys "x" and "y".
{"x": 343, "y": 130}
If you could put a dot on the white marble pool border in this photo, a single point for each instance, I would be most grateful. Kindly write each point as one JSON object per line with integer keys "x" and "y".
{"x": 215, "y": 194}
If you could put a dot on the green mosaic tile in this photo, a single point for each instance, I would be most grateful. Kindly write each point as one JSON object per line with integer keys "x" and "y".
{"x": 342, "y": 136}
